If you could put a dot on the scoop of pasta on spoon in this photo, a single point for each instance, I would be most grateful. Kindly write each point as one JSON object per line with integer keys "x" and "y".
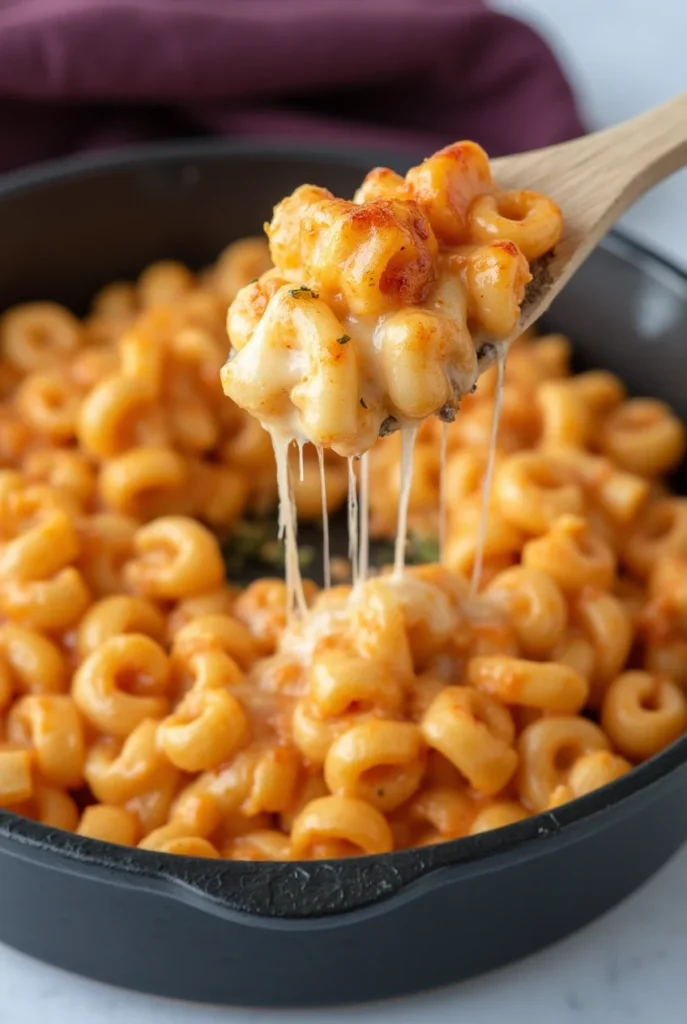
{"x": 377, "y": 309}
{"x": 372, "y": 318}
{"x": 384, "y": 310}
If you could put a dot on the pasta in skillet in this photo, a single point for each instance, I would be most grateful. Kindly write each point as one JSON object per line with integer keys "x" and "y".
{"x": 146, "y": 700}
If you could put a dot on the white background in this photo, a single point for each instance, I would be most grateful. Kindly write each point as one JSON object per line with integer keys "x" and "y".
{"x": 623, "y": 56}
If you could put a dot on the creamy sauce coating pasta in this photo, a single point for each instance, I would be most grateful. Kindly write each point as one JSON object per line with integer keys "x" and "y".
{"x": 145, "y": 699}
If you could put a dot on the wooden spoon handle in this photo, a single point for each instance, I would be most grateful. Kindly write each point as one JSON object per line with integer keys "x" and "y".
{"x": 612, "y": 167}
{"x": 594, "y": 180}
{"x": 647, "y": 149}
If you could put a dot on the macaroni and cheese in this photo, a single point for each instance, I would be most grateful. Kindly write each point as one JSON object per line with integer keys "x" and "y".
{"x": 145, "y": 699}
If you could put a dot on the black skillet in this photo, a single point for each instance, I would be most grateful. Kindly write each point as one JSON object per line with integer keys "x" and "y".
{"x": 300, "y": 934}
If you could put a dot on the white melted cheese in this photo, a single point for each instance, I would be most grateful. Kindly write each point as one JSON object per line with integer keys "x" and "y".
{"x": 352, "y": 508}
{"x": 408, "y": 437}
{"x": 303, "y": 634}
{"x": 364, "y": 554}
{"x": 326, "y": 557}
{"x": 301, "y": 467}
{"x": 295, "y": 598}
{"x": 488, "y": 478}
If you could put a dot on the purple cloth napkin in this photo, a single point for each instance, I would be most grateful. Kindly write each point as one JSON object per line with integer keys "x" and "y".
{"x": 408, "y": 74}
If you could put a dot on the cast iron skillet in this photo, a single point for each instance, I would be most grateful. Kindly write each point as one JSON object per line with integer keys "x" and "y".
{"x": 329, "y": 932}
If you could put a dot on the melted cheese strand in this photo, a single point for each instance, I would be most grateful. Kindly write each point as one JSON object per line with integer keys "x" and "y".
{"x": 364, "y": 558}
{"x": 488, "y": 479}
{"x": 408, "y": 436}
{"x": 282, "y": 515}
{"x": 442, "y": 491}
{"x": 301, "y": 468}
{"x": 325, "y": 521}
{"x": 352, "y": 520}
{"x": 287, "y": 526}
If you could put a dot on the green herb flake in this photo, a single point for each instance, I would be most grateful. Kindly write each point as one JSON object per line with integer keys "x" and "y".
{"x": 388, "y": 426}
{"x": 273, "y": 554}
{"x": 384, "y": 553}
{"x": 423, "y": 549}
{"x": 303, "y": 290}
{"x": 306, "y": 555}
{"x": 248, "y": 537}
{"x": 344, "y": 339}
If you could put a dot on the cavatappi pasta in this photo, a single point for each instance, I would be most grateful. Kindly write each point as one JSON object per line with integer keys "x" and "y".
{"x": 147, "y": 701}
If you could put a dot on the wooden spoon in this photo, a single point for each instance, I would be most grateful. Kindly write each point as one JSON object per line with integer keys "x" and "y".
{"x": 594, "y": 180}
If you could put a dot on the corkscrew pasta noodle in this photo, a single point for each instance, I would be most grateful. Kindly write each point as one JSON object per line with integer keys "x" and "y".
{"x": 147, "y": 699}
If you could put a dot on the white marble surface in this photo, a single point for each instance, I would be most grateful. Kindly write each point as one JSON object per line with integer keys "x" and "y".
{"x": 623, "y": 56}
